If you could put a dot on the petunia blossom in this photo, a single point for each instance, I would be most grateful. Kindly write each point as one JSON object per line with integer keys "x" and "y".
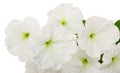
{"x": 53, "y": 46}
{"x": 67, "y": 16}
{"x": 98, "y": 36}
{"x": 18, "y": 37}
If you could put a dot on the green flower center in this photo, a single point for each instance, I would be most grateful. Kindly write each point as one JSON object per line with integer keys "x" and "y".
{"x": 63, "y": 22}
{"x": 84, "y": 61}
{"x": 48, "y": 43}
{"x": 92, "y": 35}
{"x": 26, "y": 35}
{"x": 113, "y": 59}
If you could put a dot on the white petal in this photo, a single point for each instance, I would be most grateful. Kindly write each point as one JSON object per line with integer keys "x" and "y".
{"x": 31, "y": 67}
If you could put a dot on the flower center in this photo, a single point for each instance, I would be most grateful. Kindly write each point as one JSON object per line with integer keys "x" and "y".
{"x": 113, "y": 59}
{"x": 63, "y": 22}
{"x": 84, "y": 61}
{"x": 48, "y": 43}
{"x": 92, "y": 35}
{"x": 26, "y": 35}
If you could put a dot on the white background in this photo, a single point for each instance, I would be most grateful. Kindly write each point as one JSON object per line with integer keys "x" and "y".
{"x": 20, "y": 9}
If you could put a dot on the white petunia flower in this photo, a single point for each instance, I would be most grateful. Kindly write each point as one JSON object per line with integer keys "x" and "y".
{"x": 68, "y": 17}
{"x": 98, "y": 36}
{"x": 18, "y": 35}
{"x": 53, "y": 46}
{"x": 111, "y": 60}
{"x": 81, "y": 63}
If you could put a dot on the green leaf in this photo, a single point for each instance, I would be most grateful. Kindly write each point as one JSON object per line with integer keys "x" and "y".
{"x": 118, "y": 42}
{"x": 117, "y": 23}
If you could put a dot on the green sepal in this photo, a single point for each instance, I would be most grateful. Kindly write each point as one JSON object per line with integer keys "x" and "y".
{"x": 84, "y": 21}
{"x": 101, "y": 58}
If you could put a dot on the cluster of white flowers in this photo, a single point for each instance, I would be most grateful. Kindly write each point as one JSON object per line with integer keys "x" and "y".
{"x": 66, "y": 44}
